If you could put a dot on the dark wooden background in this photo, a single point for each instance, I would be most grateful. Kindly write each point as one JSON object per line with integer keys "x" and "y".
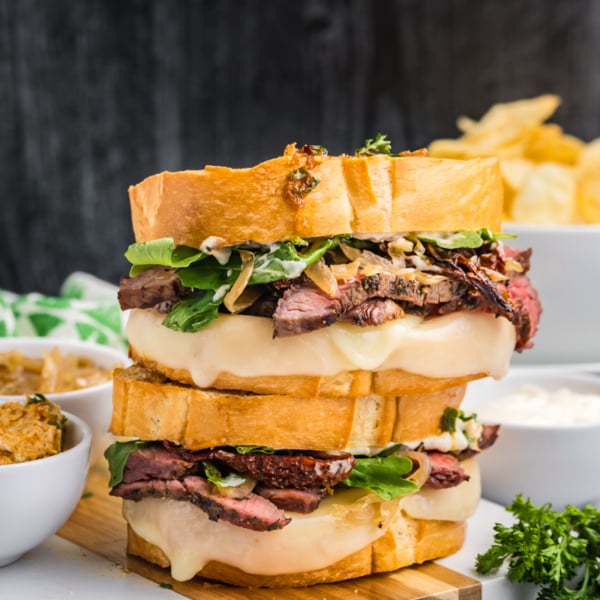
{"x": 98, "y": 94}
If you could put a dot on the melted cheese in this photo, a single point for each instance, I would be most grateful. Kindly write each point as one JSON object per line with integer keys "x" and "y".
{"x": 452, "y": 345}
{"x": 342, "y": 525}
{"x": 452, "y": 504}
{"x": 338, "y": 528}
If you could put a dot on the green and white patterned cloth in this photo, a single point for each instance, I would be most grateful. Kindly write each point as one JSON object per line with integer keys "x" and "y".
{"x": 87, "y": 309}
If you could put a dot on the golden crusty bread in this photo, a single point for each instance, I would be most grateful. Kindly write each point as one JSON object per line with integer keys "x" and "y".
{"x": 347, "y": 384}
{"x": 148, "y": 406}
{"x": 406, "y": 542}
{"x": 354, "y": 195}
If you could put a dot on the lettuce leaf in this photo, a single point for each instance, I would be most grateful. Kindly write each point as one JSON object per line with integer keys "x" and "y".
{"x": 116, "y": 455}
{"x": 383, "y": 475}
{"x": 161, "y": 252}
{"x": 462, "y": 239}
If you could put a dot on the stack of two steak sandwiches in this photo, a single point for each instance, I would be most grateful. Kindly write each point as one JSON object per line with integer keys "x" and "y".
{"x": 303, "y": 332}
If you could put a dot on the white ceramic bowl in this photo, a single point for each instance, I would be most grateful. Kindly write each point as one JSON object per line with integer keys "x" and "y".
{"x": 547, "y": 463}
{"x": 565, "y": 270}
{"x": 38, "y": 496}
{"x": 92, "y": 404}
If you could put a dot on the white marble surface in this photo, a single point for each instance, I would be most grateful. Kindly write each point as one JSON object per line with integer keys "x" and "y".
{"x": 59, "y": 570}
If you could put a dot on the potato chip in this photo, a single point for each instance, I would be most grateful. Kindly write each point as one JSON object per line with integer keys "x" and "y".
{"x": 548, "y": 176}
{"x": 505, "y": 131}
{"x": 550, "y": 144}
{"x": 548, "y": 196}
{"x": 515, "y": 171}
{"x": 588, "y": 197}
{"x": 588, "y": 183}
{"x": 589, "y": 160}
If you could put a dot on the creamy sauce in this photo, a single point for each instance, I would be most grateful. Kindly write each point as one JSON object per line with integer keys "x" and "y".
{"x": 534, "y": 405}
{"x": 449, "y": 346}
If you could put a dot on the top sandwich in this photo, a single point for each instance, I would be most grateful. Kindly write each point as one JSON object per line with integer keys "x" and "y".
{"x": 404, "y": 247}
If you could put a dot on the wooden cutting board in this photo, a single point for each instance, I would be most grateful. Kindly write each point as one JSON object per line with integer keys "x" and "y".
{"x": 98, "y": 526}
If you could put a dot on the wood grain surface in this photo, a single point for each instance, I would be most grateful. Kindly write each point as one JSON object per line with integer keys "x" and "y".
{"x": 98, "y": 526}
{"x": 96, "y": 95}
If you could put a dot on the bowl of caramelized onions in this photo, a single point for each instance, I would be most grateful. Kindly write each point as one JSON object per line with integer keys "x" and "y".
{"x": 76, "y": 375}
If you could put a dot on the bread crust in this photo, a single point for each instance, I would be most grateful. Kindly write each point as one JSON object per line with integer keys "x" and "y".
{"x": 346, "y": 384}
{"x": 148, "y": 406}
{"x": 406, "y": 542}
{"x": 354, "y": 195}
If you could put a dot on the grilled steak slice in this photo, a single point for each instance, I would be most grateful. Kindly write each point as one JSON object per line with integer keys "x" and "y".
{"x": 298, "y": 471}
{"x": 489, "y": 435}
{"x": 157, "y": 287}
{"x": 157, "y": 462}
{"x": 446, "y": 471}
{"x": 374, "y": 311}
{"x": 302, "y": 501}
{"x": 527, "y": 310}
{"x": 253, "y": 512}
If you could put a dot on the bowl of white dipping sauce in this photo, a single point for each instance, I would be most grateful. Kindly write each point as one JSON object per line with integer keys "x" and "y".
{"x": 548, "y": 444}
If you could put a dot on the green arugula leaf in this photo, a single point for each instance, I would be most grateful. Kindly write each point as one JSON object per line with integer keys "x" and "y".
{"x": 250, "y": 449}
{"x": 209, "y": 274}
{"x": 285, "y": 262}
{"x": 462, "y": 239}
{"x": 382, "y": 475}
{"x": 557, "y": 550}
{"x": 162, "y": 252}
{"x": 116, "y": 455}
{"x": 193, "y": 312}
{"x": 214, "y": 476}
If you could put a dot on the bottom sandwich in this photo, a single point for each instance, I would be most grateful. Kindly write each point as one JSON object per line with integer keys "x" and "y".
{"x": 383, "y": 483}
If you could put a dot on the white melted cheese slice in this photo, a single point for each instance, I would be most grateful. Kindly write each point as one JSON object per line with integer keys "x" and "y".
{"x": 451, "y": 504}
{"x": 463, "y": 343}
{"x": 338, "y": 528}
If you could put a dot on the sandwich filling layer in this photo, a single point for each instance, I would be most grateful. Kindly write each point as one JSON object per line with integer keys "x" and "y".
{"x": 454, "y": 345}
{"x": 343, "y": 524}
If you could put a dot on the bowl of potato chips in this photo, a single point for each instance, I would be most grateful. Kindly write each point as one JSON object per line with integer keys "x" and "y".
{"x": 552, "y": 204}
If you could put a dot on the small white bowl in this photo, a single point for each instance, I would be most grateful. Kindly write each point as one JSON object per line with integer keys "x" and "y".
{"x": 564, "y": 270}
{"x": 554, "y": 463}
{"x": 92, "y": 404}
{"x": 38, "y": 496}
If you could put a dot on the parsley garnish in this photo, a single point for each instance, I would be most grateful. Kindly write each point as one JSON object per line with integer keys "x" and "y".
{"x": 449, "y": 417}
{"x": 559, "y": 551}
{"x": 379, "y": 145}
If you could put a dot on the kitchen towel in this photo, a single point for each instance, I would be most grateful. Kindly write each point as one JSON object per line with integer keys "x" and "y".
{"x": 86, "y": 309}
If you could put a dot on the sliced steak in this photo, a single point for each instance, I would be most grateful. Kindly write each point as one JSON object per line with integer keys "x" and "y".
{"x": 299, "y": 471}
{"x": 489, "y": 435}
{"x": 302, "y": 501}
{"x": 528, "y": 310}
{"x": 302, "y": 309}
{"x": 157, "y": 462}
{"x": 253, "y": 512}
{"x": 157, "y": 287}
{"x": 446, "y": 471}
{"x": 374, "y": 311}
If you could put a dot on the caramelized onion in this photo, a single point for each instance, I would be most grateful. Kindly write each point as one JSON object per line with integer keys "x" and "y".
{"x": 423, "y": 470}
{"x": 241, "y": 282}
{"x": 321, "y": 275}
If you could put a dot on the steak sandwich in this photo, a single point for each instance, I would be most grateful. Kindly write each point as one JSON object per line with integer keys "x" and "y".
{"x": 303, "y": 332}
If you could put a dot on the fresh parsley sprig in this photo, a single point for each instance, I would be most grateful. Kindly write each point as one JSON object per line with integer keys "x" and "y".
{"x": 557, "y": 550}
{"x": 377, "y": 145}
